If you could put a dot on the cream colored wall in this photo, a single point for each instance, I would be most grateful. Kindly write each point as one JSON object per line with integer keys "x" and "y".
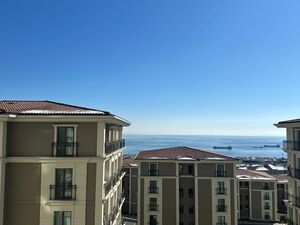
{"x": 77, "y": 207}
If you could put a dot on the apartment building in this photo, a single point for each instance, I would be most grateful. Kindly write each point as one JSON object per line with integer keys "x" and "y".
{"x": 292, "y": 147}
{"x": 130, "y": 186}
{"x": 60, "y": 164}
{"x": 186, "y": 186}
{"x": 282, "y": 196}
{"x": 258, "y": 196}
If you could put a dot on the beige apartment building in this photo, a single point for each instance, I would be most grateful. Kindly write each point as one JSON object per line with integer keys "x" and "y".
{"x": 292, "y": 147}
{"x": 261, "y": 196}
{"x": 186, "y": 186}
{"x": 59, "y": 164}
{"x": 130, "y": 187}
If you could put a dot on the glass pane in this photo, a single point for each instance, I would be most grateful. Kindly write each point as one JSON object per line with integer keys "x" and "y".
{"x": 57, "y": 218}
{"x": 60, "y": 177}
{"x": 67, "y": 218}
{"x": 68, "y": 176}
{"x": 69, "y": 134}
{"x": 61, "y": 134}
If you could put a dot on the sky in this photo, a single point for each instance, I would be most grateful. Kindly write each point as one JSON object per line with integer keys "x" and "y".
{"x": 229, "y": 67}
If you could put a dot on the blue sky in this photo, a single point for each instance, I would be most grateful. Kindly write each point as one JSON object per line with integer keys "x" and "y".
{"x": 171, "y": 67}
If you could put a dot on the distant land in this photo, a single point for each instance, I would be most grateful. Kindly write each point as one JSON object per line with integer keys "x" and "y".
{"x": 242, "y": 146}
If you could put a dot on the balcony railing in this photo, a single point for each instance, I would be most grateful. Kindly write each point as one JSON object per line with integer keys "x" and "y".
{"x": 114, "y": 145}
{"x": 64, "y": 149}
{"x": 153, "y": 172}
{"x": 153, "y": 207}
{"x": 221, "y": 191}
{"x": 221, "y": 208}
{"x": 267, "y": 207}
{"x": 109, "y": 184}
{"x": 220, "y": 173}
{"x": 291, "y": 145}
{"x": 153, "y": 190}
{"x": 112, "y": 217}
{"x": 62, "y": 192}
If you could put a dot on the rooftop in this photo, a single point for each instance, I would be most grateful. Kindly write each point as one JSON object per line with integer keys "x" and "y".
{"x": 46, "y": 108}
{"x": 253, "y": 175}
{"x": 129, "y": 162}
{"x": 181, "y": 153}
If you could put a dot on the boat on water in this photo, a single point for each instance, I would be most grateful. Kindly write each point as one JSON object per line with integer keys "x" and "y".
{"x": 272, "y": 146}
{"x": 223, "y": 147}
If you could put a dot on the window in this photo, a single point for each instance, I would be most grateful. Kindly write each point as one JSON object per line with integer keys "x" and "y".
{"x": 152, "y": 186}
{"x": 62, "y": 218}
{"x": 181, "y": 210}
{"x": 191, "y": 210}
{"x": 220, "y": 170}
{"x": 221, "y": 220}
{"x": 266, "y": 196}
{"x": 191, "y": 169}
{"x": 180, "y": 193}
{"x": 153, "y": 204}
{"x": 267, "y": 215}
{"x": 191, "y": 193}
{"x": 180, "y": 169}
{"x": 266, "y": 205}
{"x": 221, "y": 205}
{"x": 220, "y": 187}
{"x": 153, "y": 220}
{"x": 65, "y": 141}
{"x": 266, "y": 186}
{"x": 63, "y": 183}
{"x": 153, "y": 170}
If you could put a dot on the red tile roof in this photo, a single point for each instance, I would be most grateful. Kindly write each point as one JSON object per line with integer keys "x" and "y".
{"x": 254, "y": 174}
{"x": 181, "y": 153}
{"x": 45, "y": 108}
{"x": 128, "y": 162}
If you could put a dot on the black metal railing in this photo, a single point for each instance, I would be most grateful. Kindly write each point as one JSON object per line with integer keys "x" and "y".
{"x": 153, "y": 190}
{"x": 221, "y": 191}
{"x": 221, "y": 208}
{"x": 114, "y": 145}
{"x": 62, "y": 192}
{"x": 153, "y": 172}
{"x": 153, "y": 207}
{"x": 267, "y": 207}
{"x": 291, "y": 145}
{"x": 108, "y": 220}
{"x": 64, "y": 149}
{"x": 220, "y": 173}
{"x": 111, "y": 182}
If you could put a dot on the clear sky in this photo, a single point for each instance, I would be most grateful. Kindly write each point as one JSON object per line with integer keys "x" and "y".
{"x": 227, "y": 67}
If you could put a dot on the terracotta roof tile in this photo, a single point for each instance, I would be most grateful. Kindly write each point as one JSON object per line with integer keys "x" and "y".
{"x": 181, "y": 152}
{"x": 45, "y": 108}
{"x": 254, "y": 174}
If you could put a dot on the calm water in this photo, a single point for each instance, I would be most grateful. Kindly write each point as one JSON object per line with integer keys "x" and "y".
{"x": 242, "y": 146}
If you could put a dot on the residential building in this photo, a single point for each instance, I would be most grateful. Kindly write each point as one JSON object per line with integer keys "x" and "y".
{"x": 292, "y": 147}
{"x": 282, "y": 196}
{"x": 186, "y": 186}
{"x": 257, "y": 196}
{"x": 59, "y": 164}
{"x": 130, "y": 186}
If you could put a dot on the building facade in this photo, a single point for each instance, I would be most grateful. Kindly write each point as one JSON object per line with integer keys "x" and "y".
{"x": 60, "y": 164}
{"x": 186, "y": 186}
{"x": 261, "y": 196}
{"x": 292, "y": 147}
{"x": 130, "y": 187}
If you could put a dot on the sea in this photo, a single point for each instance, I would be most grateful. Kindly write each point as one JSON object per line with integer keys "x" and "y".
{"x": 242, "y": 146}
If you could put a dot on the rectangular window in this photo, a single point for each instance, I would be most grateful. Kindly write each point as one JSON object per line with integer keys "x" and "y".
{"x": 153, "y": 204}
{"x": 266, "y": 196}
{"x": 65, "y": 141}
{"x": 191, "y": 169}
{"x": 62, "y": 218}
{"x": 220, "y": 187}
{"x": 191, "y": 193}
{"x": 181, "y": 210}
{"x": 152, "y": 220}
{"x": 63, "y": 183}
{"x": 221, "y": 205}
{"x": 221, "y": 219}
{"x": 153, "y": 170}
{"x": 191, "y": 210}
{"x": 180, "y": 193}
{"x": 220, "y": 170}
{"x": 153, "y": 186}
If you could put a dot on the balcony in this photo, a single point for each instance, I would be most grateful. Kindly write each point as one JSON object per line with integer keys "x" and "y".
{"x": 153, "y": 172}
{"x": 221, "y": 208}
{"x": 113, "y": 215}
{"x": 62, "y": 192}
{"x": 64, "y": 149}
{"x": 267, "y": 207}
{"x": 114, "y": 145}
{"x": 221, "y": 191}
{"x": 112, "y": 181}
{"x": 220, "y": 173}
{"x": 291, "y": 145}
{"x": 153, "y": 190}
{"x": 153, "y": 207}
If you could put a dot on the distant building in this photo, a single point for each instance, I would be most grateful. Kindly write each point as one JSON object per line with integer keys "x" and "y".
{"x": 186, "y": 186}
{"x": 261, "y": 196}
{"x": 59, "y": 164}
{"x": 130, "y": 187}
